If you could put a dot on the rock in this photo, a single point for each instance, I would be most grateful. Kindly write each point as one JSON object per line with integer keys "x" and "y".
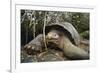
{"x": 35, "y": 45}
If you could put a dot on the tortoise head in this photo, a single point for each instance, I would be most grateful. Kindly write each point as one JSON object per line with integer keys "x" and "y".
{"x": 54, "y": 36}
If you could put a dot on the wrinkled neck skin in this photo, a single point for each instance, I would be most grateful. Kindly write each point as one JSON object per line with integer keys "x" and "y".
{"x": 71, "y": 50}
{"x": 64, "y": 42}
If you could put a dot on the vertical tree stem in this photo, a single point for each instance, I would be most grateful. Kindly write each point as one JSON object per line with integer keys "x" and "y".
{"x": 44, "y": 30}
{"x": 26, "y": 30}
{"x": 34, "y": 26}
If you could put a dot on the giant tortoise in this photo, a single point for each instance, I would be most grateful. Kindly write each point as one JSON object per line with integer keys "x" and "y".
{"x": 66, "y": 37}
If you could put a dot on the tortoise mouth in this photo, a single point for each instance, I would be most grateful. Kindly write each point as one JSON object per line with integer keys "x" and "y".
{"x": 55, "y": 41}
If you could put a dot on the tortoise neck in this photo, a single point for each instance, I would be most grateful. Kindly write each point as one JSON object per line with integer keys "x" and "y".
{"x": 65, "y": 42}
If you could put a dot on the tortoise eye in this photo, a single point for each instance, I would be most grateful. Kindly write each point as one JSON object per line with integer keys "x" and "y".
{"x": 56, "y": 36}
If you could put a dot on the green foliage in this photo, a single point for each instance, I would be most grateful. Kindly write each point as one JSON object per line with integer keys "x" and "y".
{"x": 85, "y": 34}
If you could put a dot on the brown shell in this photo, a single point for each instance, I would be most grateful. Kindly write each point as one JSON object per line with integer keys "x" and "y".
{"x": 67, "y": 28}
